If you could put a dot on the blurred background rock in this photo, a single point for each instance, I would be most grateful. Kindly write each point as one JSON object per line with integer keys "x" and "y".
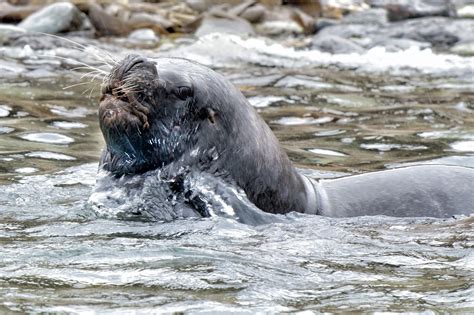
{"x": 336, "y": 26}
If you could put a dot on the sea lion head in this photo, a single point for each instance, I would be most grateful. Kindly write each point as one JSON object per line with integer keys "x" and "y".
{"x": 178, "y": 114}
{"x": 151, "y": 112}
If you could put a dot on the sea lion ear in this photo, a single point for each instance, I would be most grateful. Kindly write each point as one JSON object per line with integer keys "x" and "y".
{"x": 211, "y": 115}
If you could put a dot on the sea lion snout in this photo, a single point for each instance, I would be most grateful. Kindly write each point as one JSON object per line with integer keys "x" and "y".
{"x": 119, "y": 103}
{"x": 117, "y": 114}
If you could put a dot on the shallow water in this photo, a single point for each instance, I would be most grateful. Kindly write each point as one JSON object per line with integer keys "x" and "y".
{"x": 59, "y": 256}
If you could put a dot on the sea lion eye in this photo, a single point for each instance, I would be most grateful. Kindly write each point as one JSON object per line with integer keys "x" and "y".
{"x": 183, "y": 92}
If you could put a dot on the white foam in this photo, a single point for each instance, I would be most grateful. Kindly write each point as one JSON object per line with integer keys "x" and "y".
{"x": 266, "y": 52}
{"x": 463, "y": 146}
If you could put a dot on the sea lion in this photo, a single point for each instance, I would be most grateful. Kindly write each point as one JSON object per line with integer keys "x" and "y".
{"x": 168, "y": 121}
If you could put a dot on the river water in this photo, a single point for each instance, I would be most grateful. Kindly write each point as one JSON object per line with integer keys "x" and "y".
{"x": 333, "y": 115}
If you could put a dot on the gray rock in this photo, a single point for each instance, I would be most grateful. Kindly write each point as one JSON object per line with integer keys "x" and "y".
{"x": 405, "y": 9}
{"x": 322, "y": 23}
{"x": 335, "y": 45}
{"x": 464, "y": 49}
{"x": 371, "y": 16}
{"x": 351, "y": 30}
{"x": 150, "y": 19}
{"x": 198, "y": 5}
{"x": 213, "y": 24}
{"x": 55, "y": 18}
{"x": 439, "y": 31}
{"x": 254, "y": 14}
{"x": 7, "y": 30}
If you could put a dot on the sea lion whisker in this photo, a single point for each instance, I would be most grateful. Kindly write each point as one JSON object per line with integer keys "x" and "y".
{"x": 84, "y": 48}
{"x": 79, "y": 62}
{"x": 94, "y": 72}
{"x": 80, "y": 68}
{"x": 92, "y": 91}
{"x": 74, "y": 85}
{"x": 86, "y": 90}
{"x": 95, "y": 76}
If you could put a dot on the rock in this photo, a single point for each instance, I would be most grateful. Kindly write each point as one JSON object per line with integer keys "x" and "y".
{"x": 376, "y": 16}
{"x": 144, "y": 35}
{"x": 254, "y": 14}
{"x": 214, "y": 24}
{"x": 335, "y": 45}
{"x": 466, "y": 11}
{"x": 351, "y": 30}
{"x": 249, "y": 10}
{"x": 279, "y": 28}
{"x": 55, "y": 18}
{"x": 337, "y": 8}
{"x": 146, "y": 20}
{"x": 322, "y": 23}
{"x": 198, "y": 5}
{"x": 13, "y": 14}
{"x": 438, "y": 31}
{"x": 240, "y": 8}
{"x": 312, "y": 8}
{"x": 307, "y": 22}
{"x": 464, "y": 49}
{"x": 7, "y": 30}
{"x": 402, "y": 9}
{"x": 106, "y": 24}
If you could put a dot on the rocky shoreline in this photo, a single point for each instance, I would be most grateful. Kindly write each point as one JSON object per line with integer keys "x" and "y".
{"x": 337, "y": 27}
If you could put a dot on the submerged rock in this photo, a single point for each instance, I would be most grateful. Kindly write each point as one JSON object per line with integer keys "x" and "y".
{"x": 55, "y": 18}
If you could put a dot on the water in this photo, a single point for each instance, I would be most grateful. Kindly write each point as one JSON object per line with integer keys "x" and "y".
{"x": 59, "y": 256}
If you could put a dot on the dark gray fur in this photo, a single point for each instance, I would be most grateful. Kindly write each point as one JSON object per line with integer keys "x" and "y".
{"x": 209, "y": 126}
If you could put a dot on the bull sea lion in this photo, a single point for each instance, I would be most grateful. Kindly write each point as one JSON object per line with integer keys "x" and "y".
{"x": 171, "y": 124}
